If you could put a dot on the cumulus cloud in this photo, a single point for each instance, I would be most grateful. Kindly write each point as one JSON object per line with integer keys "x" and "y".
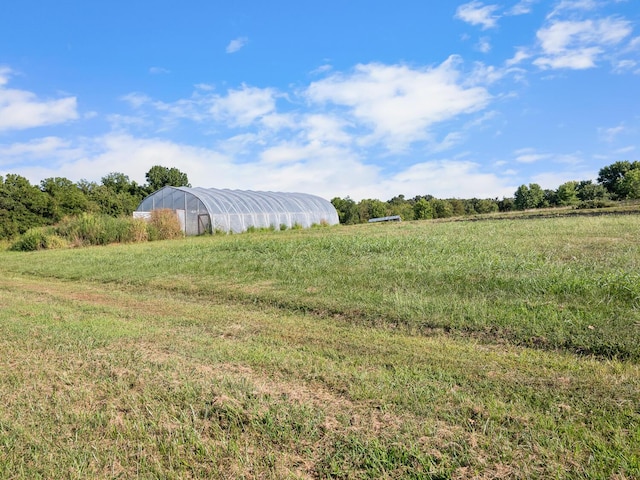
{"x": 244, "y": 106}
{"x": 476, "y": 13}
{"x": 553, "y": 179}
{"x": 237, "y": 44}
{"x": 38, "y": 147}
{"x": 579, "y": 44}
{"x": 296, "y": 165}
{"x": 448, "y": 179}
{"x": 21, "y": 109}
{"x": 399, "y": 103}
{"x": 325, "y": 139}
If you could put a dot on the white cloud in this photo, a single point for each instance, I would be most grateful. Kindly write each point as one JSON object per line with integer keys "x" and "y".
{"x": 313, "y": 167}
{"x": 399, "y": 103}
{"x": 476, "y": 13}
{"x": 158, "y": 71}
{"x": 521, "y": 55}
{"x": 521, "y": 8}
{"x": 529, "y": 155}
{"x": 625, "y": 150}
{"x": 322, "y": 69}
{"x": 579, "y": 44}
{"x": 244, "y": 106}
{"x": 484, "y": 45}
{"x": 236, "y": 44}
{"x": 573, "y": 5}
{"x": 447, "y": 179}
{"x": 20, "y": 109}
{"x": 610, "y": 134}
{"x": 38, "y": 147}
{"x": 325, "y": 129}
{"x": 552, "y": 180}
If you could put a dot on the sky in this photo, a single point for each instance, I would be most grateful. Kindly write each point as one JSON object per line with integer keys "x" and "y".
{"x": 358, "y": 98}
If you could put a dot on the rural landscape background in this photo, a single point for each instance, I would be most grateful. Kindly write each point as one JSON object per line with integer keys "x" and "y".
{"x": 493, "y": 333}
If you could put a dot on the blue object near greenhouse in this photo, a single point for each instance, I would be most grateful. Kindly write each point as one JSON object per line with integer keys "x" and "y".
{"x": 204, "y": 210}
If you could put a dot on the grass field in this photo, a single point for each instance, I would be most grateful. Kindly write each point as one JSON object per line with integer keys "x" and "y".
{"x": 493, "y": 349}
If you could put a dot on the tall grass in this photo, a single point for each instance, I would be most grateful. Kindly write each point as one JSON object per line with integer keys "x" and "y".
{"x": 90, "y": 229}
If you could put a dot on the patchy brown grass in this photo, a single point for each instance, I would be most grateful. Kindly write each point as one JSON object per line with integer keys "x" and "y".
{"x": 99, "y": 382}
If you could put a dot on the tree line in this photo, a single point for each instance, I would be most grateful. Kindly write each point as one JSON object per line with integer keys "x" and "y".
{"x": 616, "y": 182}
{"x": 24, "y": 206}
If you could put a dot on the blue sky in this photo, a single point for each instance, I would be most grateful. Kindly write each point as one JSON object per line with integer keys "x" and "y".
{"x": 368, "y": 99}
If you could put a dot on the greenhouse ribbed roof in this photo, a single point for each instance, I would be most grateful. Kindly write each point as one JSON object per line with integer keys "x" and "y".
{"x": 248, "y": 201}
{"x": 238, "y": 210}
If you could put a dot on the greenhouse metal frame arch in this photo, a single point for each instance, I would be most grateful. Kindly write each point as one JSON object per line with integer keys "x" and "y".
{"x": 205, "y": 210}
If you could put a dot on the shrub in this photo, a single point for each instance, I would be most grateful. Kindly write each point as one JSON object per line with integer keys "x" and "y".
{"x": 164, "y": 224}
{"x": 38, "y": 239}
{"x": 597, "y": 203}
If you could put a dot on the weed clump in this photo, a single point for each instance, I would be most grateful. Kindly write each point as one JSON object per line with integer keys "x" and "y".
{"x": 39, "y": 238}
{"x": 164, "y": 224}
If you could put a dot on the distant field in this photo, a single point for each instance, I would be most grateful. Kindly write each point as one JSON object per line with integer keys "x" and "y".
{"x": 493, "y": 349}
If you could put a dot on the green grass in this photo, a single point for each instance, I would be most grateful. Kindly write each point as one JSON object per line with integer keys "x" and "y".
{"x": 567, "y": 283}
{"x": 498, "y": 349}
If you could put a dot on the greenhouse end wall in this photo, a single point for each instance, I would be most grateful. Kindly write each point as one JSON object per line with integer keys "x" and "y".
{"x": 208, "y": 209}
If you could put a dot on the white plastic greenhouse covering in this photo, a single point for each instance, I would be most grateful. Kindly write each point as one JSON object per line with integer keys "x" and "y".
{"x": 210, "y": 209}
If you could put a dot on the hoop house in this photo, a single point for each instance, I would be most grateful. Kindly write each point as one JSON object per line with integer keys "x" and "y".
{"x": 203, "y": 210}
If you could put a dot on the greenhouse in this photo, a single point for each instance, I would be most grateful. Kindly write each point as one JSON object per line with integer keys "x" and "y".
{"x": 204, "y": 210}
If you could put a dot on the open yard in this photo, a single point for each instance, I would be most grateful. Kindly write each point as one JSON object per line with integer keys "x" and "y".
{"x": 489, "y": 349}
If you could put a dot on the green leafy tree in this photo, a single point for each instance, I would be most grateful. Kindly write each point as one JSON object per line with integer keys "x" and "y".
{"x": 586, "y": 190}
{"x": 114, "y": 203}
{"x": 531, "y": 196}
{"x": 67, "y": 198}
{"x": 611, "y": 177}
{"x": 398, "y": 205}
{"x": 441, "y": 208}
{"x": 347, "y": 210}
{"x": 116, "y": 195}
{"x": 422, "y": 209}
{"x": 458, "y": 207}
{"x": 485, "y": 205}
{"x": 567, "y": 194}
{"x": 22, "y": 206}
{"x": 158, "y": 177}
{"x": 120, "y": 183}
{"x": 630, "y": 184}
{"x": 372, "y": 208}
{"x": 507, "y": 204}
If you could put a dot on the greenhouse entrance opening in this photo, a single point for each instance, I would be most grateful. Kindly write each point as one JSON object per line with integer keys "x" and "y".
{"x": 204, "y": 224}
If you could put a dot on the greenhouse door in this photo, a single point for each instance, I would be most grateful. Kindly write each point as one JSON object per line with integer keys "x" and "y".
{"x": 204, "y": 224}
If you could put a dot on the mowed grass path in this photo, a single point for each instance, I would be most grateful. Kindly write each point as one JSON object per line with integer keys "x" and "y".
{"x": 424, "y": 350}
